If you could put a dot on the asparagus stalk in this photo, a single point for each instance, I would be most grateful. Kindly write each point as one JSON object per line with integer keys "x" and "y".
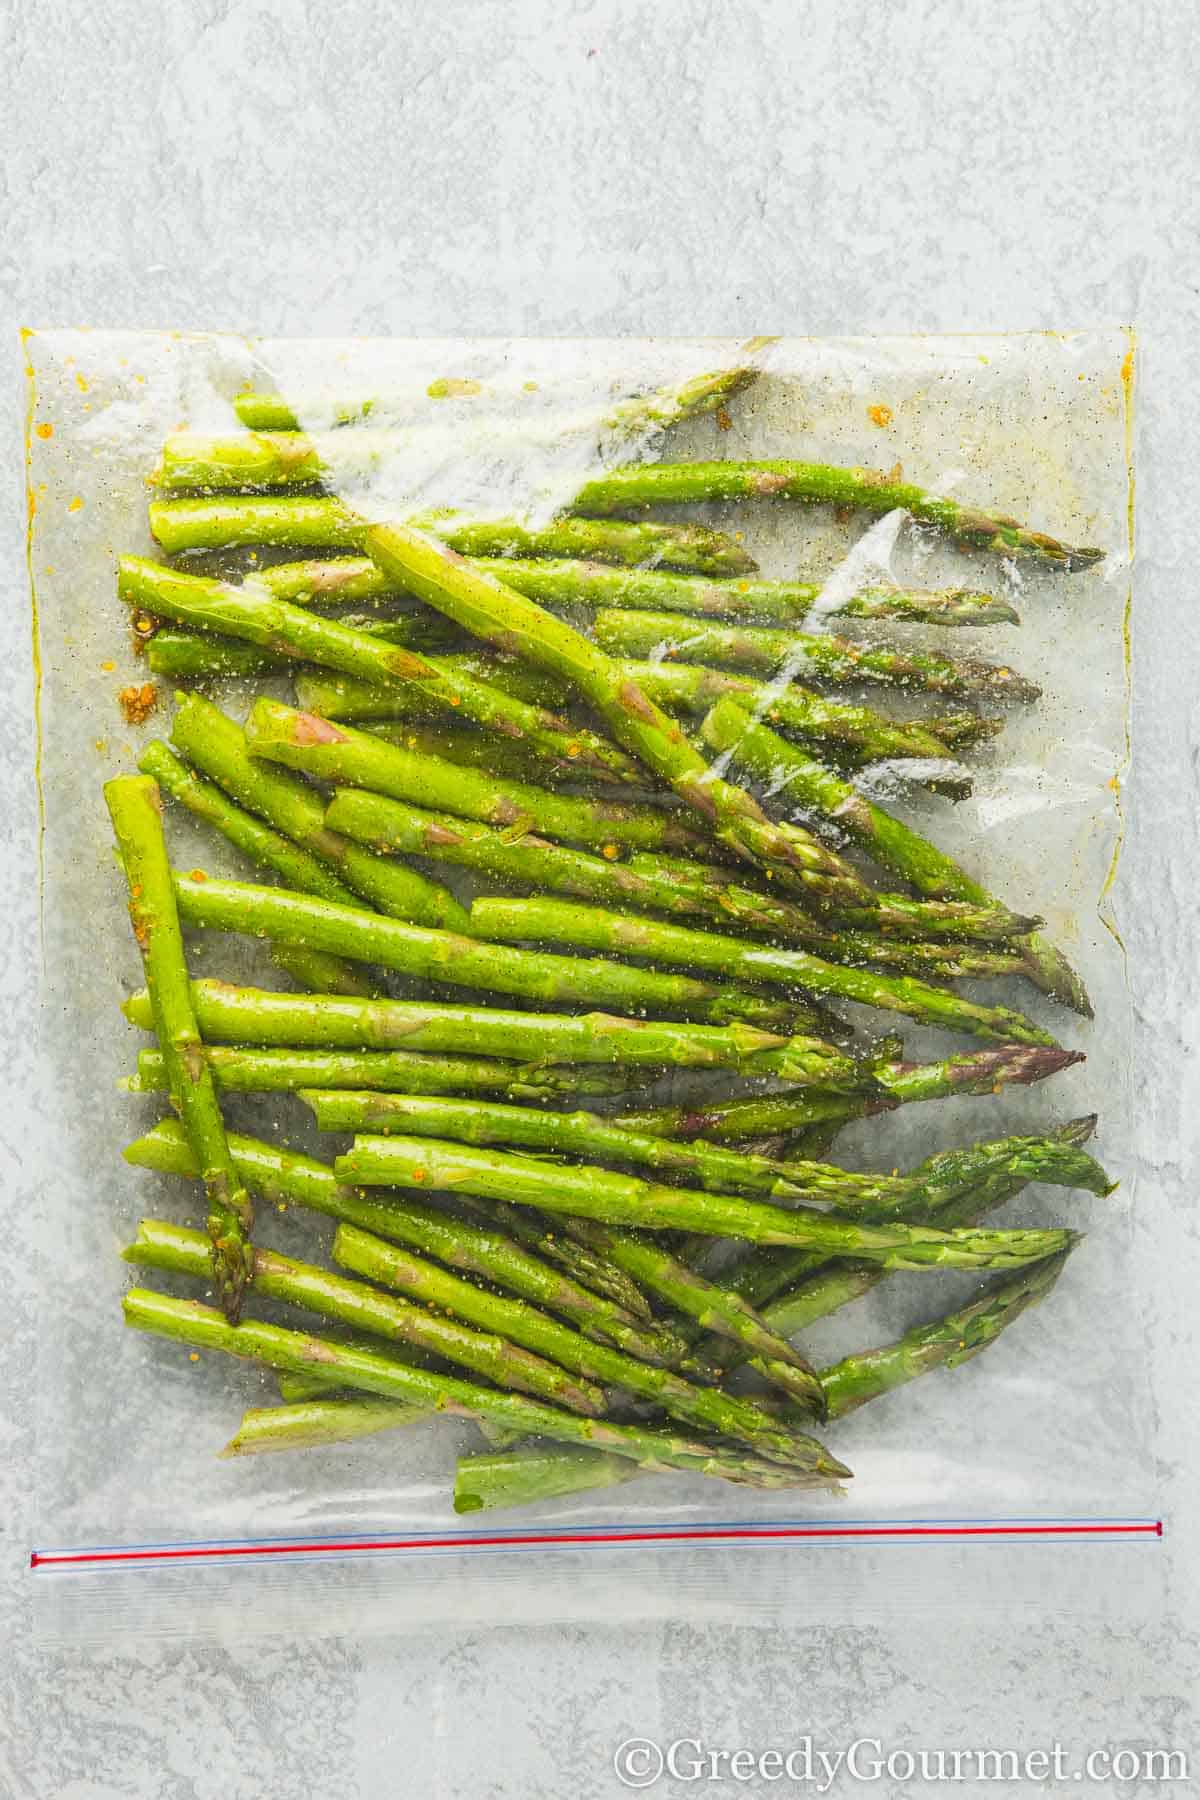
{"x": 338, "y": 753}
{"x": 160, "y": 1245}
{"x": 315, "y": 971}
{"x": 521, "y": 1478}
{"x": 561, "y": 583}
{"x": 253, "y": 614}
{"x": 229, "y": 522}
{"x": 654, "y": 940}
{"x": 636, "y": 413}
{"x": 413, "y": 1072}
{"x": 614, "y": 1199}
{"x": 704, "y": 1165}
{"x": 891, "y": 843}
{"x": 256, "y": 1016}
{"x": 823, "y": 484}
{"x": 460, "y": 961}
{"x": 760, "y": 650}
{"x": 317, "y": 1424}
{"x": 217, "y": 746}
{"x": 264, "y": 846}
{"x": 189, "y": 1322}
{"x": 482, "y": 1251}
{"x": 470, "y": 749}
{"x": 135, "y": 807}
{"x": 199, "y": 656}
{"x": 900, "y": 1083}
{"x": 706, "y": 1408}
{"x": 946, "y": 1344}
{"x": 511, "y": 622}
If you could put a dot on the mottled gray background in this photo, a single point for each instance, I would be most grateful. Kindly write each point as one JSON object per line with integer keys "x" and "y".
{"x": 280, "y": 166}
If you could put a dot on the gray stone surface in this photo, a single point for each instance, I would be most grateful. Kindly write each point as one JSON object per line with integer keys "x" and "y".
{"x": 281, "y": 166}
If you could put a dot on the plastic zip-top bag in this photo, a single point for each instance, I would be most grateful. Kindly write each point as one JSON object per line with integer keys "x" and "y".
{"x": 623, "y": 1004}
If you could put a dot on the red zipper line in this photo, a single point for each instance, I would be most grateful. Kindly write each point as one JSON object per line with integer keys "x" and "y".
{"x": 697, "y": 1534}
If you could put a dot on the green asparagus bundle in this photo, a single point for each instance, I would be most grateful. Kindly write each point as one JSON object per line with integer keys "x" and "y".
{"x": 514, "y": 1251}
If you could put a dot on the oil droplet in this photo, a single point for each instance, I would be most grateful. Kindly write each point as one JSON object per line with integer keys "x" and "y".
{"x": 75, "y": 503}
{"x": 81, "y": 383}
{"x": 880, "y": 415}
{"x": 45, "y": 429}
{"x": 108, "y": 667}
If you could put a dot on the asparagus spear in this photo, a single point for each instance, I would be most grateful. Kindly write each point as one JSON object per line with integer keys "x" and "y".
{"x": 657, "y": 409}
{"x": 506, "y": 619}
{"x": 560, "y": 583}
{"x": 521, "y": 1478}
{"x": 160, "y": 1245}
{"x": 253, "y": 614}
{"x": 704, "y": 1165}
{"x": 189, "y": 1322}
{"x": 706, "y": 1408}
{"x": 900, "y": 1083}
{"x": 135, "y": 806}
{"x": 481, "y": 1251}
{"x": 199, "y": 656}
{"x": 319, "y": 973}
{"x": 227, "y": 522}
{"x": 613, "y": 1199}
{"x": 761, "y": 651}
{"x": 327, "y": 1021}
{"x": 460, "y": 961}
{"x": 891, "y": 843}
{"x": 405, "y": 1071}
{"x": 654, "y": 484}
{"x": 655, "y": 940}
{"x": 263, "y": 845}
{"x": 316, "y": 1424}
{"x": 280, "y": 734}
{"x": 217, "y": 746}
